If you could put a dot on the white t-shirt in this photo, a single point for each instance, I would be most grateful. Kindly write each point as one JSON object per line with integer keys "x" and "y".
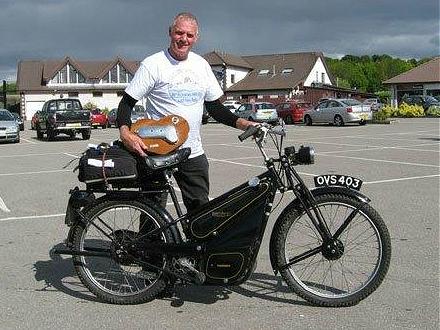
{"x": 176, "y": 87}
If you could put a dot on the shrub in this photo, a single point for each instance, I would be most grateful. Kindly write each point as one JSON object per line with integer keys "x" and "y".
{"x": 384, "y": 113}
{"x": 89, "y": 106}
{"x": 433, "y": 111}
{"x": 406, "y": 110}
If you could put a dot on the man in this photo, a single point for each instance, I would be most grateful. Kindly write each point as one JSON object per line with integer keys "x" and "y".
{"x": 178, "y": 81}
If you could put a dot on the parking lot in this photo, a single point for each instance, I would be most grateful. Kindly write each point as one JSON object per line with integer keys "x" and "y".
{"x": 399, "y": 164}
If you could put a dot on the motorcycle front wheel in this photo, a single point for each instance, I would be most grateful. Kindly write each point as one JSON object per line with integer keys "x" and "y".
{"x": 119, "y": 278}
{"x": 341, "y": 273}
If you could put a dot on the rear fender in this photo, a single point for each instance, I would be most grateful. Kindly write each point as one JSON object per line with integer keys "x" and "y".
{"x": 81, "y": 200}
{"x": 295, "y": 204}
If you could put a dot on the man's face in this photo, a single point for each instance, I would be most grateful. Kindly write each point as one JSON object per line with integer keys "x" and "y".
{"x": 183, "y": 36}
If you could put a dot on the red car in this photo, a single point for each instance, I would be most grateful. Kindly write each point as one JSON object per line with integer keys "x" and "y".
{"x": 292, "y": 111}
{"x": 98, "y": 118}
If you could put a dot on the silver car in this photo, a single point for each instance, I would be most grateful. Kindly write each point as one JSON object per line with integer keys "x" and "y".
{"x": 9, "y": 128}
{"x": 338, "y": 112}
{"x": 258, "y": 111}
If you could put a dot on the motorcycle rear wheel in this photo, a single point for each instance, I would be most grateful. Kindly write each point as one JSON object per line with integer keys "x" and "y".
{"x": 343, "y": 279}
{"x": 119, "y": 280}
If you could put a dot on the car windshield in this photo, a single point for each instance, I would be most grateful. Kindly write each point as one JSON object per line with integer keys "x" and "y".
{"x": 264, "y": 106}
{"x": 351, "y": 102}
{"x": 6, "y": 115}
{"x": 431, "y": 99}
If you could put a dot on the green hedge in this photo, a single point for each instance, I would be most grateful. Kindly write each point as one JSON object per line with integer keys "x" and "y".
{"x": 433, "y": 111}
{"x": 403, "y": 110}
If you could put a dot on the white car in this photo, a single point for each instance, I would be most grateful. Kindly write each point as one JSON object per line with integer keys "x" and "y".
{"x": 338, "y": 112}
{"x": 258, "y": 111}
{"x": 9, "y": 128}
{"x": 235, "y": 104}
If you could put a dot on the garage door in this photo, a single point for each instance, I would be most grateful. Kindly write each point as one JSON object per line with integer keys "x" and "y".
{"x": 31, "y": 107}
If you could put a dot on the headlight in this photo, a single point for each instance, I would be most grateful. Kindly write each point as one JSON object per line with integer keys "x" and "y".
{"x": 304, "y": 155}
{"x": 11, "y": 129}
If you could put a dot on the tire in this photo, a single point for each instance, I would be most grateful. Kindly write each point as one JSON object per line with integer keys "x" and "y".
{"x": 50, "y": 134}
{"x": 347, "y": 279}
{"x": 40, "y": 134}
{"x": 288, "y": 120}
{"x": 308, "y": 121}
{"x": 338, "y": 121}
{"x": 362, "y": 123}
{"x": 119, "y": 280}
{"x": 86, "y": 134}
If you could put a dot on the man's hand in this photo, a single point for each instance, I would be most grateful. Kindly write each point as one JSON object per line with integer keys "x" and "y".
{"x": 244, "y": 123}
{"x": 131, "y": 141}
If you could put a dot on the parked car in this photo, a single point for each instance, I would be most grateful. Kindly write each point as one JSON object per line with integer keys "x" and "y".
{"x": 98, "y": 118}
{"x": 9, "y": 128}
{"x": 235, "y": 104}
{"x": 231, "y": 108}
{"x": 423, "y": 100}
{"x": 137, "y": 113}
{"x": 258, "y": 111}
{"x": 19, "y": 121}
{"x": 374, "y": 104}
{"x": 111, "y": 117}
{"x": 292, "y": 111}
{"x": 63, "y": 116}
{"x": 338, "y": 112}
{"x": 34, "y": 120}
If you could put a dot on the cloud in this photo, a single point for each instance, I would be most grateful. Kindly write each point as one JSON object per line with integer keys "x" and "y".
{"x": 103, "y": 29}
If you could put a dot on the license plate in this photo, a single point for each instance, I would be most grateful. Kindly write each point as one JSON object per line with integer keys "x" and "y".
{"x": 73, "y": 125}
{"x": 338, "y": 180}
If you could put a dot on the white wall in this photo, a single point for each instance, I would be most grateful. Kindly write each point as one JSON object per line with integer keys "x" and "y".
{"x": 315, "y": 75}
{"x": 239, "y": 73}
{"x": 34, "y": 102}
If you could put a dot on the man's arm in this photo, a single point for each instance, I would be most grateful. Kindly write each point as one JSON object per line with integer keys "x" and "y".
{"x": 221, "y": 114}
{"x": 123, "y": 120}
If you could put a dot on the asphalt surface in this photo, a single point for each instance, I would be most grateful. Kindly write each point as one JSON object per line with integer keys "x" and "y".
{"x": 399, "y": 164}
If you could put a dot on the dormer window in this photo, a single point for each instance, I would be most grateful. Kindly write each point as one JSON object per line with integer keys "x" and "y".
{"x": 68, "y": 74}
{"x": 117, "y": 75}
{"x": 287, "y": 71}
{"x": 263, "y": 72}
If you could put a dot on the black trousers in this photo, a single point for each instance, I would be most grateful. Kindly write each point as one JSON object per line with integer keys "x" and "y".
{"x": 192, "y": 177}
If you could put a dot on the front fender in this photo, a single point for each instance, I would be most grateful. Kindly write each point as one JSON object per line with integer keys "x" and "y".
{"x": 295, "y": 204}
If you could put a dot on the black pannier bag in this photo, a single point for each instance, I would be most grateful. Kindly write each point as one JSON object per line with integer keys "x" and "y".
{"x": 107, "y": 164}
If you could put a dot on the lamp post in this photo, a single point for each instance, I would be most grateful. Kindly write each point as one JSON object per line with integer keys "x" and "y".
{"x": 4, "y": 94}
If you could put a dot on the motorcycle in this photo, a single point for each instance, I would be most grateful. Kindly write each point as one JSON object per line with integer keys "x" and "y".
{"x": 330, "y": 246}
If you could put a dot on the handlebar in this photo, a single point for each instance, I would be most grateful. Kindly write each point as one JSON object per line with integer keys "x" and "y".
{"x": 250, "y": 131}
{"x": 258, "y": 129}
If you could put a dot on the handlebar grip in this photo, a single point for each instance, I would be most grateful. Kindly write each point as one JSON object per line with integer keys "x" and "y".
{"x": 250, "y": 130}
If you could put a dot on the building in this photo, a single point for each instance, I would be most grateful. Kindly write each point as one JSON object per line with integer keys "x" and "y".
{"x": 422, "y": 80}
{"x": 98, "y": 82}
{"x": 272, "y": 77}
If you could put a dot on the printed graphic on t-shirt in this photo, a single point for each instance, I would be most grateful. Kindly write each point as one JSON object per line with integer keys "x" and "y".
{"x": 185, "y": 88}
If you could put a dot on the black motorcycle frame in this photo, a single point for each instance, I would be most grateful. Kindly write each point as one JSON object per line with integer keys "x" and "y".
{"x": 224, "y": 236}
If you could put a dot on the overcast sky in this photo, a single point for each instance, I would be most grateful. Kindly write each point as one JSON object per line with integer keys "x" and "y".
{"x": 133, "y": 29}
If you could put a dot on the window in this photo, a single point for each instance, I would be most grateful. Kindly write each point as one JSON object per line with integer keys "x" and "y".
{"x": 68, "y": 74}
{"x": 114, "y": 74}
{"x": 263, "y": 72}
{"x": 323, "y": 77}
{"x": 232, "y": 78}
{"x": 118, "y": 74}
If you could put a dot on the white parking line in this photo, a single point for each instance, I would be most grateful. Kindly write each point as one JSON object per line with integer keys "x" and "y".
{"x": 3, "y": 206}
{"x": 403, "y": 179}
{"x": 39, "y": 172}
{"x": 34, "y": 217}
{"x": 382, "y": 161}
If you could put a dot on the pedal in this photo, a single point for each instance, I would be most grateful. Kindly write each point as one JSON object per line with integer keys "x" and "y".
{"x": 198, "y": 277}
